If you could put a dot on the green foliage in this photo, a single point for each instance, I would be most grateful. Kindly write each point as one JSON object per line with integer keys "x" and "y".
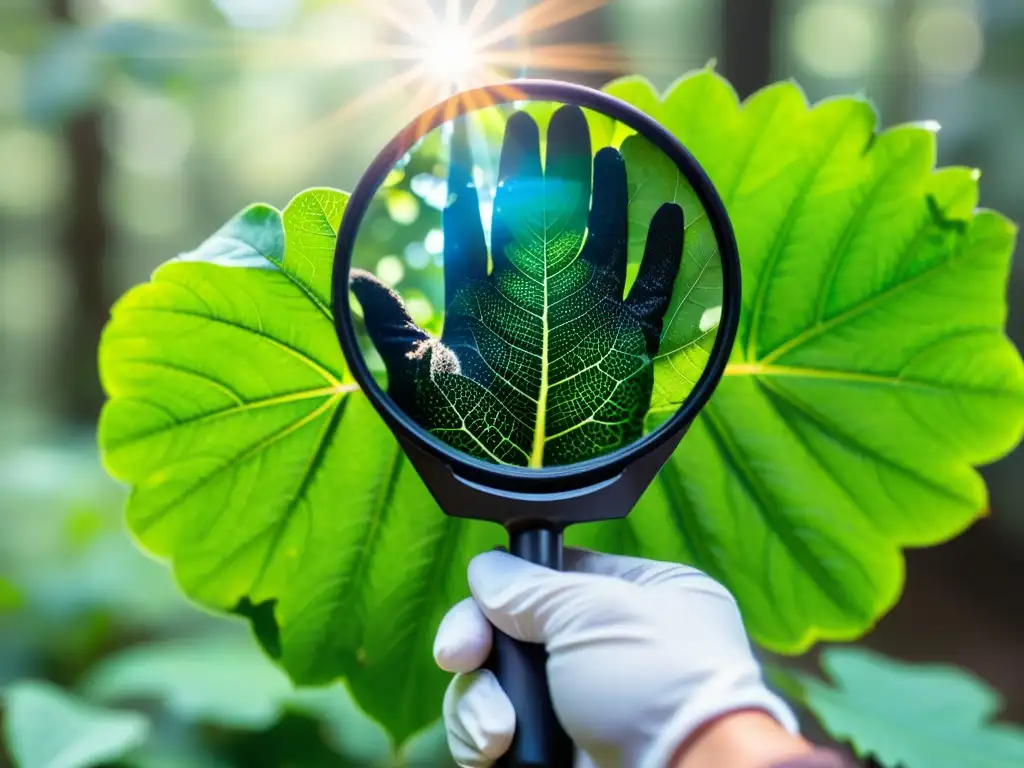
{"x": 910, "y": 715}
{"x": 47, "y": 728}
{"x": 220, "y": 680}
{"x": 871, "y": 374}
{"x": 73, "y": 71}
{"x": 224, "y": 680}
{"x": 10, "y": 597}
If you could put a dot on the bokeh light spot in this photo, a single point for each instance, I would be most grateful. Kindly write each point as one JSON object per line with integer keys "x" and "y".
{"x": 152, "y": 135}
{"x": 710, "y": 318}
{"x": 434, "y": 241}
{"x": 419, "y": 308}
{"x": 431, "y": 189}
{"x": 33, "y": 171}
{"x": 836, "y": 38}
{"x": 416, "y": 256}
{"x": 391, "y": 270}
{"x": 948, "y": 40}
{"x": 403, "y": 207}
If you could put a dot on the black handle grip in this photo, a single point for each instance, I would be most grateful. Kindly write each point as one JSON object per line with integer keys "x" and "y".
{"x": 539, "y": 741}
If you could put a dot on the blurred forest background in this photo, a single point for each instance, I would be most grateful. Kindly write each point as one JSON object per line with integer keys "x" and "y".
{"x": 132, "y": 129}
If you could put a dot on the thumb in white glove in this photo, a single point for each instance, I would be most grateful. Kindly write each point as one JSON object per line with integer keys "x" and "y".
{"x": 641, "y": 654}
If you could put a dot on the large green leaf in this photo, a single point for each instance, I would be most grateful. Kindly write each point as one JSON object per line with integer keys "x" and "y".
{"x": 870, "y": 375}
{"x": 44, "y": 727}
{"x": 271, "y": 483}
{"x": 911, "y": 715}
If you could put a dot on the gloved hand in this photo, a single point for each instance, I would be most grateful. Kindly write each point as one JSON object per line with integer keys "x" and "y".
{"x": 641, "y": 654}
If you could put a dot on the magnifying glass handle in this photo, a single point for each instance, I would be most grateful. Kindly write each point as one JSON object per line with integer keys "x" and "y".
{"x": 539, "y": 741}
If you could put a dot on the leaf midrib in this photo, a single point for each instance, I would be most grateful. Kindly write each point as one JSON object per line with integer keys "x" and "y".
{"x": 313, "y": 465}
{"x": 540, "y": 423}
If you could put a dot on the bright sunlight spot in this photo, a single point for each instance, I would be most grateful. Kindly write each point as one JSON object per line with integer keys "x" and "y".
{"x": 451, "y": 57}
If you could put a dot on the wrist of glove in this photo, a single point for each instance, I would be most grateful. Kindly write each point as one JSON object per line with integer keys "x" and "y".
{"x": 641, "y": 655}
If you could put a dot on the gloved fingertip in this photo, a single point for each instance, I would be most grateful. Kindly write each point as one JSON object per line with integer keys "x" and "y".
{"x": 464, "y": 639}
{"x": 479, "y": 719}
{"x": 491, "y": 573}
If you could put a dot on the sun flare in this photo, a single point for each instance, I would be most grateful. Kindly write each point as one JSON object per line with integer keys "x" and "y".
{"x": 455, "y": 49}
{"x": 452, "y": 56}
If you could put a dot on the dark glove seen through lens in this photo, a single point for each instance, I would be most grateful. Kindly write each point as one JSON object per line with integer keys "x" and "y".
{"x": 541, "y": 361}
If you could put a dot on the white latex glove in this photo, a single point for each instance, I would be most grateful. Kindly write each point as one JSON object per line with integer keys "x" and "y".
{"x": 641, "y": 654}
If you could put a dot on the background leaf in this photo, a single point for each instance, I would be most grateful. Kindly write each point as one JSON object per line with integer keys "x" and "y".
{"x": 72, "y": 71}
{"x": 10, "y": 597}
{"x": 871, "y": 373}
{"x": 224, "y": 680}
{"x": 47, "y": 728}
{"x": 911, "y": 715}
{"x": 221, "y": 680}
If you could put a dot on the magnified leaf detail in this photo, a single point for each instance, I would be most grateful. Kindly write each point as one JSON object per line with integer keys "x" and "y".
{"x": 541, "y": 361}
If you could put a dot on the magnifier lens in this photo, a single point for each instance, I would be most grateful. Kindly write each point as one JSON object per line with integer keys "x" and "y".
{"x": 535, "y": 284}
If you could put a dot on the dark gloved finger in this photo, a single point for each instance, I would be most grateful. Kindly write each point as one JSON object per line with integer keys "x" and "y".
{"x": 465, "y": 249}
{"x": 607, "y": 238}
{"x": 391, "y": 329}
{"x": 651, "y": 293}
{"x": 519, "y": 184}
{"x": 567, "y": 170}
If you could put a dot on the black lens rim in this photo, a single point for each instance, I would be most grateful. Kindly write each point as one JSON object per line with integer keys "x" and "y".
{"x": 547, "y": 479}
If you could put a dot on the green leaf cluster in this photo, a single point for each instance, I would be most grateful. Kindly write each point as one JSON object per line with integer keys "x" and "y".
{"x": 218, "y": 680}
{"x": 46, "y": 728}
{"x": 870, "y": 376}
{"x": 910, "y": 715}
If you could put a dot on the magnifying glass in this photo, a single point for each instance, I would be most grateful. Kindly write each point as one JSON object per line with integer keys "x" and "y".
{"x": 538, "y": 288}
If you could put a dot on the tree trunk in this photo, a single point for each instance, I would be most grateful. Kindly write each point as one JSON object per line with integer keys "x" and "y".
{"x": 748, "y": 38}
{"x": 589, "y": 29}
{"x": 84, "y": 241}
{"x": 901, "y": 66}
